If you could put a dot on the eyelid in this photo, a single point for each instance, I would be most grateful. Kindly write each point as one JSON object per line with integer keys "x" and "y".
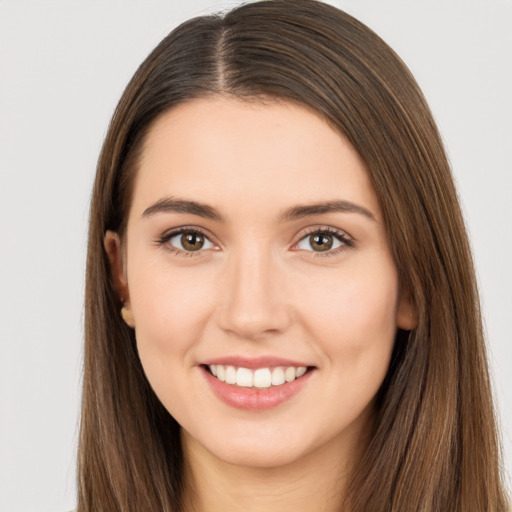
{"x": 164, "y": 239}
{"x": 346, "y": 240}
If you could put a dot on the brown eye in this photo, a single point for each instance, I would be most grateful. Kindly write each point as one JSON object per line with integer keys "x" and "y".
{"x": 324, "y": 241}
{"x": 189, "y": 241}
{"x": 192, "y": 241}
{"x": 321, "y": 242}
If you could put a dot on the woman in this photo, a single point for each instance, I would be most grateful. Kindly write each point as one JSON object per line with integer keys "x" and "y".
{"x": 281, "y": 310}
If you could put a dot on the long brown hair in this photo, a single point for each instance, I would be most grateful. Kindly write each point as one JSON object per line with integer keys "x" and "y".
{"x": 434, "y": 447}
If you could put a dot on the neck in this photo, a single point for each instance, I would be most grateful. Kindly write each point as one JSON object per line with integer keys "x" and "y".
{"x": 314, "y": 482}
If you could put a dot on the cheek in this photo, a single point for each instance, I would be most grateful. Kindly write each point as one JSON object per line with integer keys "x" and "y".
{"x": 353, "y": 320}
{"x": 353, "y": 312}
{"x": 170, "y": 306}
{"x": 171, "y": 309}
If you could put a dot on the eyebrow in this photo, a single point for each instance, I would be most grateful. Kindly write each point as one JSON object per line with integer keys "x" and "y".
{"x": 336, "y": 206}
{"x": 173, "y": 205}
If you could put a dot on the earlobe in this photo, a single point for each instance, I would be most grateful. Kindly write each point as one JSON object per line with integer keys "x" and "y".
{"x": 113, "y": 248}
{"x": 407, "y": 315}
{"x": 127, "y": 314}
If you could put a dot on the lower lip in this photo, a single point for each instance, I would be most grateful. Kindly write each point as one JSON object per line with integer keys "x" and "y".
{"x": 255, "y": 399}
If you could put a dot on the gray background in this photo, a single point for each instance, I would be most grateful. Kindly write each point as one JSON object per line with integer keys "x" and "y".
{"x": 63, "y": 66}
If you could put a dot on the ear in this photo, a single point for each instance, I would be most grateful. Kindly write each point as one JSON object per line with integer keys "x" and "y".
{"x": 112, "y": 244}
{"x": 406, "y": 314}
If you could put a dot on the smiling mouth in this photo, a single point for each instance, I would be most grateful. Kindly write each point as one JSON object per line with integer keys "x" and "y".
{"x": 259, "y": 378}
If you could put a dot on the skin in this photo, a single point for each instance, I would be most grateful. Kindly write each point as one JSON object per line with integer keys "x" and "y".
{"x": 258, "y": 287}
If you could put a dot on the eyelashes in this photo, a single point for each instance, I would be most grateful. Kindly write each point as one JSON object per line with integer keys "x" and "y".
{"x": 325, "y": 241}
{"x": 190, "y": 240}
{"x": 186, "y": 241}
{"x": 320, "y": 241}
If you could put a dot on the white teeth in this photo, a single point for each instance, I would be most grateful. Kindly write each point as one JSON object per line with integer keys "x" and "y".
{"x": 277, "y": 376}
{"x": 301, "y": 370}
{"x": 244, "y": 377}
{"x": 259, "y": 378}
{"x": 230, "y": 374}
{"x": 289, "y": 374}
{"x": 262, "y": 378}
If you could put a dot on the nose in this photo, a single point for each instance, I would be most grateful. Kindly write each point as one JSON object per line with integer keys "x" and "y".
{"x": 253, "y": 297}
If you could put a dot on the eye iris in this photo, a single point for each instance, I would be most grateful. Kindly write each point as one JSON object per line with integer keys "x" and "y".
{"x": 192, "y": 241}
{"x": 321, "y": 242}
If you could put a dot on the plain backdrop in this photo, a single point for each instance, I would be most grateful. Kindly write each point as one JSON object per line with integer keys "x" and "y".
{"x": 64, "y": 65}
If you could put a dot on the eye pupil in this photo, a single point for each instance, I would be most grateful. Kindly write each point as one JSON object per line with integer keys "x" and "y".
{"x": 321, "y": 242}
{"x": 192, "y": 241}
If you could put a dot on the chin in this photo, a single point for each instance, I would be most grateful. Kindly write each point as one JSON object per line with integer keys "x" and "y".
{"x": 255, "y": 457}
{"x": 268, "y": 448}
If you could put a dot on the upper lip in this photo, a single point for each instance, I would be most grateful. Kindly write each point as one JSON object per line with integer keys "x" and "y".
{"x": 254, "y": 362}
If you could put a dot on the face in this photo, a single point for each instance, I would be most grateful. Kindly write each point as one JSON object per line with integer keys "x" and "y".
{"x": 259, "y": 280}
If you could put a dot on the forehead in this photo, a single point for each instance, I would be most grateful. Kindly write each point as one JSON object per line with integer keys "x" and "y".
{"x": 248, "y": 155}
